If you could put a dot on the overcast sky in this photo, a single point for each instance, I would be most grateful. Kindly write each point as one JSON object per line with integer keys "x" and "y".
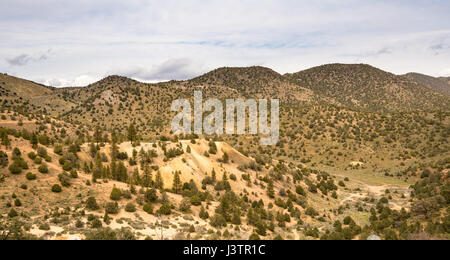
{"x": 74, "y": 43}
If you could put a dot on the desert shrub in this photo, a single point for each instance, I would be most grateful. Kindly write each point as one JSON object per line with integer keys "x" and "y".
{"x": 67, "y": 166}
{"x": 348, "y": 220}
{"x": 311, "y": 212}
{"x": 43, "y": 168}
{"x": 125, "y": 234}
{"x": 58, "y": 150}
{"x": 151, "y": 195}
{"x": 42, "y": 152}
{"x": 112, "y": 208}
{"x": 212, "y": 147}
{"x": 185, "y": 205}
{"x": 109, "y": 234}
{"x": 254, "y": 237}
{"x": 130, "y": 207}
{"x": 218, "y": 221}
{"x": 116, "y": 194}
{"x": 3, "y": 159}
{"x": 300, "y": 190}
{"x": 12, "y": 213}
{"x": 174, "y": 152}
{"x": 122, "y": 156}
{"x": 64, "y": 178}
{"x": 225, "y": 158}
{"x": 196, "y": 201}
{"x": 91, "y": 204}
{"x": 278, "y": 237}
{"x": 148, "y": 207}
{"x": 203, "y": 213}
{"x": 16, "y": 153}
{"x": 32, "y": 155}
{"x": 79, "y": 224}
{"x": 165, "y": 209}
{"x": 44, "y": 139}
{"x": 74, "y": 174}
{"x": 207, "y": 181}
{"x": 15, "y": 168}
{"x": 37, "y": 160}
{"x": 222, "y": 185}
{"x": 126, "y": 194}
{"x": 384, "y": 200}
{"x": 44, "y": 226}
{"x": 96, "y": 223}
{"x": 30, "y": 176}
{"x": 104, "y": 158}
{"x": 56, "y": 188}
{"x": 102, "y": 234}
{"x": 191, "y": 229}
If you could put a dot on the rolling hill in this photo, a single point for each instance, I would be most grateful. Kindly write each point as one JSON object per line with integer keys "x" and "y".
{"x": 441, "y": 85}
{"x": 362, "y": 86}
{"x": 361, "y": 152}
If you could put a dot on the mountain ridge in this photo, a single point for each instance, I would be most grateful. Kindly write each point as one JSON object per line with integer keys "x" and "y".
{"x": 355, "y": 86}
{"x": 440, "y": 84}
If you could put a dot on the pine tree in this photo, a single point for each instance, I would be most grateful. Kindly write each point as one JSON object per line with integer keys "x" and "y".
{"x": 159, "y": 183}
{"x": 225, "y": 158}
{"x": 214, "y": 178}
{"x": 136, "y": 178}
{"x": 98, "y": 135}
{"x": 5, "y": 139}
{"x": 114, "y": 148}
{"x": 113, "y": 166}
{"x": 122, "y": 173}
{"x": 203, "y": 213}
{"x": 93, "y": 150}
{"x": 34, "y": 140}
{"x": 270, "y": 191}
{"x": 98, "y": 168}
{"x": 236, "y": 220}
{"x": 132, "y": 133}
{"x": 177, "y": 185}
{"x": 106, "y": 219}
{"x": 106, "y": 173}
{"x": 147, "y": 178}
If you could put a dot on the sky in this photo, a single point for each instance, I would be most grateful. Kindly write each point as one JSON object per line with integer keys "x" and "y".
{"x": 75, "y": 43}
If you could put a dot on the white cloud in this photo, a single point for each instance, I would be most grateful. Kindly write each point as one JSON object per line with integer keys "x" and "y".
{"x": 445, "y": 73}
{"x": 172, "y": 69}
{"x": 158, "y": 40}
{"x": 24, "y": 59}
{"x": 78, "y": 81}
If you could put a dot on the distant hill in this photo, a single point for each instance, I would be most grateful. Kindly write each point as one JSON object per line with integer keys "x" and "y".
{"x": 30, "y": 96}
{"x": 114, "y": 102}
{"x": 441, "y": 85}
{"x": 253, "y": 82}
{"x": 12, "y": 86}
{"x": 366, "y": 87}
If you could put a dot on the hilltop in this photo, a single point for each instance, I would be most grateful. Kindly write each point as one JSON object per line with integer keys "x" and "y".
{"x": 365, "y": 87}
{"x": 441, "y": 85}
